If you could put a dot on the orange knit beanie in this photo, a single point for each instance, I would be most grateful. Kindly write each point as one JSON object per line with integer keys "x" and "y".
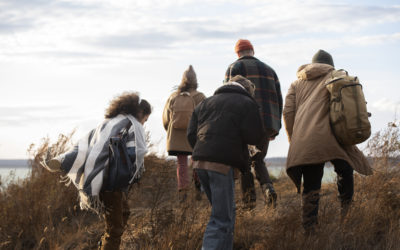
{"x": 243, "y": 44}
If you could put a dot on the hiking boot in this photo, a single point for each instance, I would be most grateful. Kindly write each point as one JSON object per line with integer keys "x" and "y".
{"x": 54, "y": 165}
{"x": 269, "y": 194}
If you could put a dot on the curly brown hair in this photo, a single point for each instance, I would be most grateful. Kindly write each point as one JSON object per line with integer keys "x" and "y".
{"x": 126, "y": 103}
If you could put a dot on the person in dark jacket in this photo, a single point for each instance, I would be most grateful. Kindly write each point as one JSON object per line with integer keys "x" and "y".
{"x": 269, "y": 98}
{"x": 219, "y": 131}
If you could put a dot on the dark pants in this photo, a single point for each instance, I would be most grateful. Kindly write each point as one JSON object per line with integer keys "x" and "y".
{"x": 312, "y": 175}
{"x": 262, "y": 175}
{"x": 116, "y": 217}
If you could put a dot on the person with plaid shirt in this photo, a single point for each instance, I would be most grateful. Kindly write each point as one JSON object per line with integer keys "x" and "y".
{"x": 269, "y": 98}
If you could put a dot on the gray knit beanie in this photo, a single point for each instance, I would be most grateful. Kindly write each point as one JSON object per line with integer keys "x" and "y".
{"x": 323, "y": 57}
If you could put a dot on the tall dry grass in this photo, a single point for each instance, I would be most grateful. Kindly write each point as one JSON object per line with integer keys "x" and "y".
{"x": 41, "y": 213}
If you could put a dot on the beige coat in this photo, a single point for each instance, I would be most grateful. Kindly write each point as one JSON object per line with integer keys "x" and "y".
{"x": 306, "y": 116}
{"x": 177, "y": 142}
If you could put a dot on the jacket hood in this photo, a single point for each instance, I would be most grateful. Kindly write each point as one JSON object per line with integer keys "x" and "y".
{"x": 313, "y": 70}
{"x": 232, "y": 89}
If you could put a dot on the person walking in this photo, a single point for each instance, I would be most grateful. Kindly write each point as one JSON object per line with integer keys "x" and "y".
{"x": 312, "y": 142}
{"x": 177, "y": 112}
{"x": 269, "y": 98}
{"x": 87, "y": 164}
{"x": 220, "y": 129}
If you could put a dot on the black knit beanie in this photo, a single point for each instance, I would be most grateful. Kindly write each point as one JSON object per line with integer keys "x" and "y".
{"x": 323, "y": 57}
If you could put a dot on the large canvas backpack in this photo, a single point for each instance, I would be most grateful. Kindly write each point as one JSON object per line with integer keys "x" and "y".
{"x": 348, "y": 109}
{"x": 182, "y": 108}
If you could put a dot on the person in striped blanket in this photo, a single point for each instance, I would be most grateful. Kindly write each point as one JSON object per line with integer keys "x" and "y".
{"x": 86, "y": 162}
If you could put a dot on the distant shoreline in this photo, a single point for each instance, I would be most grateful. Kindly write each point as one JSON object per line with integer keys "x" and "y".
{"x": 17, "y": 163}
{"x": 271, "y": 161}
{"x": 23, "y": 163}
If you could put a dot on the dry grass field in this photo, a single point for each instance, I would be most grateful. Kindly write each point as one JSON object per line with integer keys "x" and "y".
{"x": 42, "y": 213}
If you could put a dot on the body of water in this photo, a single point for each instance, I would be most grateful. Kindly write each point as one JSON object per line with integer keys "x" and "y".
{"x": 9, "y": 173}
{"x": 329, "y": 173}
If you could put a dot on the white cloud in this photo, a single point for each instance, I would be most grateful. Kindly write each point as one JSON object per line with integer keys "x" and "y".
{"x": 386, "y": 105}
{"x": 376, "y": 39}
{"x": 71, "y": 28}
{"x": 17, "y": 116}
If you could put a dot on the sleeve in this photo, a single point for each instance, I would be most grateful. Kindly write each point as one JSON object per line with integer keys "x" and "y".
{"x": 141, "y": 147}
{"x": 192, "y": 129}
{"x": 279, "y": 95}
{"x": 231, "y": 72}
{"x": 227, "y": 75}
{"x": 131, "y": 143}
{"x": 166, "y": 114}
{"x": 200, "y": 99}
{"x": 252, "y": 126}
{"x": 289, "y": 111}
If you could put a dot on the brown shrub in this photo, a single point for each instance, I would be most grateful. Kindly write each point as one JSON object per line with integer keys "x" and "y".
{"x": 42, "y": 213}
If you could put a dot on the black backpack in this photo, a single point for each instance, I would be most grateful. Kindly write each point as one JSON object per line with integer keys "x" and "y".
{"x": 121, "y": 167}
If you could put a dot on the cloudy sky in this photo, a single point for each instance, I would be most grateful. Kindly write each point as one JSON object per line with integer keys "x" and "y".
{"x": 62, "y": 61}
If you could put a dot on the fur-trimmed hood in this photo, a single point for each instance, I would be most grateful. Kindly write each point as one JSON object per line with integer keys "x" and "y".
{"x": 306, "y": 116}
{"x": 313, "y": 71}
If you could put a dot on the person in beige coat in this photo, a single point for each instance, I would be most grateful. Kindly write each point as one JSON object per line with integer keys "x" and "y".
{"x": 177, "y": 143}
{"x": 312, "y": 142}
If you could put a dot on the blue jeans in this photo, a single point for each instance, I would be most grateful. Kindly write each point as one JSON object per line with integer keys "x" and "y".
{"x": 219, "y": 189}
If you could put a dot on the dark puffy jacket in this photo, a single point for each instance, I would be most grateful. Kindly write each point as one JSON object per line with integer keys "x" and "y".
{"x": 222, "y": 126}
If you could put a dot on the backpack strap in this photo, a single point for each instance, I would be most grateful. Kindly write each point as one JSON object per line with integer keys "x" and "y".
{"x": 125, "y": 131}
{"x": 130, "y": 125}
{"x": 336, "y": 75}
{"x": 186, "y": 93}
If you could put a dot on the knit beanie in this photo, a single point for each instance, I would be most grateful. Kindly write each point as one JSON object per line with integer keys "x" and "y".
{"x": 243, "y": 44}
{"x": 189, "y": 76}
{"x": 323, "y": 57}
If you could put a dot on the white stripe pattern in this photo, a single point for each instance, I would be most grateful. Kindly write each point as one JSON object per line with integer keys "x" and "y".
{"x": 80, "y": 160}
{"x": 96, "y": 150}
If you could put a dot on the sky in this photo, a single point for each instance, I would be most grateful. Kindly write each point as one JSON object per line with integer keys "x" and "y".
{"x": 61, "y": 62}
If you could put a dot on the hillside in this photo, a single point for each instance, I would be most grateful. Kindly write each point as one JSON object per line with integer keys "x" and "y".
{"x": 42, "y": 213}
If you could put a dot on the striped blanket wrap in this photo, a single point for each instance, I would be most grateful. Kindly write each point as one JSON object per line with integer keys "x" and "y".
{"x": 86, "y": 161}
